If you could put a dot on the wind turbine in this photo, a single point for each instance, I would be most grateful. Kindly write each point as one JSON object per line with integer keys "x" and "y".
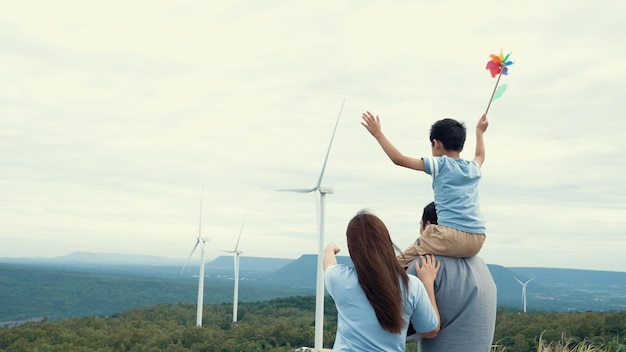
{"x": 236, "y": 257}
{"x": 199, "y": 242}
{"x": 319, "y": 291}
{"x": 524, "y": 284}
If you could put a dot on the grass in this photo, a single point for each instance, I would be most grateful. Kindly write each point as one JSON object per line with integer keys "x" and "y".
{"x": 566, "y": 345}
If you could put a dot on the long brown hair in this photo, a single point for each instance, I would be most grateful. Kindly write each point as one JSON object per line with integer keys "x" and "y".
{"x": 377, "y": 268}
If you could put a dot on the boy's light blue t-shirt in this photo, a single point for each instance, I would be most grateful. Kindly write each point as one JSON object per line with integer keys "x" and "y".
{"x": 358, "y": 328}
{"x": 455, "y": 184}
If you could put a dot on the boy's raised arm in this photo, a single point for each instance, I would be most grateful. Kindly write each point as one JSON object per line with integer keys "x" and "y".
{"x": 372, "y": 124}
{"x": 481, "y": 127}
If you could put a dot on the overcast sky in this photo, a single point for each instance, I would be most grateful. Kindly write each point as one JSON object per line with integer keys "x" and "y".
{"x": 114, "y": 114}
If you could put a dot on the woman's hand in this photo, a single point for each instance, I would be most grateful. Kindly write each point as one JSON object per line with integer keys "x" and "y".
{"x": 429, "y": 269}
{"x": 329, "y": 255}
{"x": 332, "y": 247}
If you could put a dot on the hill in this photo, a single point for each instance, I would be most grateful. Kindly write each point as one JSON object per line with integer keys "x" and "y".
{"x": 84, "y": 284}
{"x": 248, "y": 264}
{"x": 36, "y": 291}
{"x": 301, "y": 272}
{"x": 550, "y": 290}
{"x": 585, "y": 279}
{"x": 147, "y": 265}
{"x": 574, "y": 289}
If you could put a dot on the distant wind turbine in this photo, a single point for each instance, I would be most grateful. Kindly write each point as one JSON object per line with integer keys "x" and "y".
{"x": 322, "y": 191}
{"x": 236, "y": 257}
{"x": 199, "y": 241}
{"x": 524, "y": 284}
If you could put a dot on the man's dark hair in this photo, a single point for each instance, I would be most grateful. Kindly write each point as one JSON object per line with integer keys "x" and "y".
{"x": 429, "y": 214}
{"x": 451, "y": 133}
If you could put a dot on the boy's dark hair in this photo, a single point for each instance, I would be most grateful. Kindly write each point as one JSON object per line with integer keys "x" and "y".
{"x": 451, "y": 133}
{"x": 429, "y": 214}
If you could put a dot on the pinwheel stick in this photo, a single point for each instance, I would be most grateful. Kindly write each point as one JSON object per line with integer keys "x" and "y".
{"x": 494, "y": 90}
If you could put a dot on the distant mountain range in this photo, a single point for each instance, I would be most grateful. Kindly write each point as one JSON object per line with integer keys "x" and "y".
{"x": 550, "y": 289}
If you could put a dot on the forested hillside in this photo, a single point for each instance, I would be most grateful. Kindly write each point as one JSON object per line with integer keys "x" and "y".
{"x": 28, "y": 292}
{"x": 60, "y": 290}
{"x": 278, "y": 325}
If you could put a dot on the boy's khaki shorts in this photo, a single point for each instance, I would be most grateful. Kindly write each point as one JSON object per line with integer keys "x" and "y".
{"x": 443, "y": 240}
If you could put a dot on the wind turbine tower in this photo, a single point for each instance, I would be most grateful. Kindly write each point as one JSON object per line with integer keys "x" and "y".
{"x": 236, "y": 254}
{"x": 319, "y": 287}
{"x": 524, "y": 284}
{"x": 199, "y": 242}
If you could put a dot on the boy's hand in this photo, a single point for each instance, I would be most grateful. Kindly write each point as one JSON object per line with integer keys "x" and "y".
{"x": 429, "y": 269}
{"x": 482, "y": 124}
{"x": 371, "y": 123}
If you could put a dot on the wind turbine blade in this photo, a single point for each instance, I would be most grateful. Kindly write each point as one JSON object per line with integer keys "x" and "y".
{"x": 240, "y": 230}
{"x": 529, "y": 280}
{"x": 521, "y": 283}
{"x": 319, "y": 181}
{"x": 299, "y": 190}
{"x": 190, "y": 254}
{"x": 199, "y": 231}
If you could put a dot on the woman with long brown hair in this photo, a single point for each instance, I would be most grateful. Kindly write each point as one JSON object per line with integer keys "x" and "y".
{"x": 376, "y": 299}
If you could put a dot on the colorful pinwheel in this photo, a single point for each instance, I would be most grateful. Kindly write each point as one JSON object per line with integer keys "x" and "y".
{"x": 498, "y": 66}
